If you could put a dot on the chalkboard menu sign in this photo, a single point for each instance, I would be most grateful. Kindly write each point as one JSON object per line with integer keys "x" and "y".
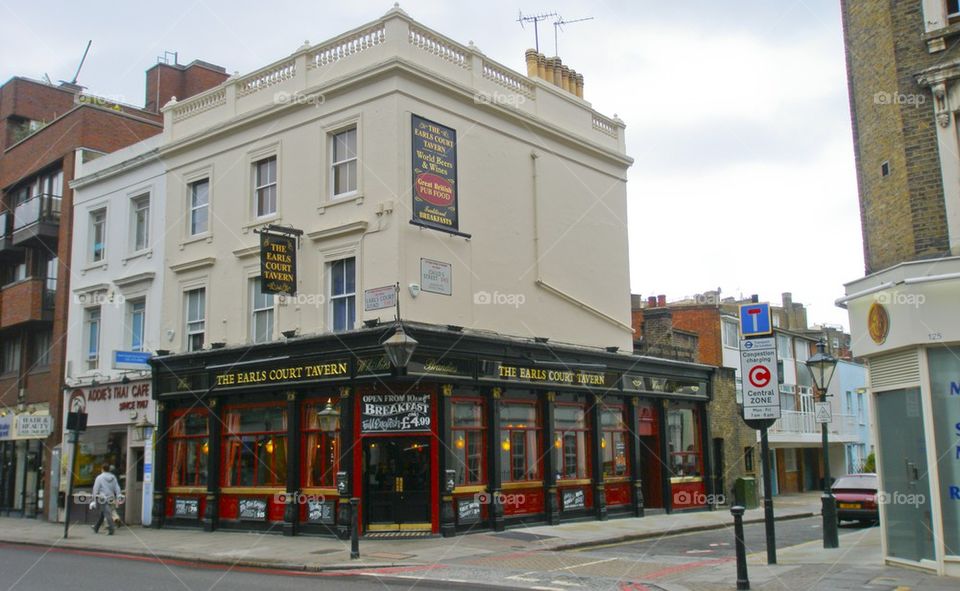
{"x": 394, "y": 413}
{"x": 253, "y": 509}
{"x": 573, "y": 499}
{"x": 320, "y": 512}
{"x": 468, "y": 510}
{"x": 188, "y": 508}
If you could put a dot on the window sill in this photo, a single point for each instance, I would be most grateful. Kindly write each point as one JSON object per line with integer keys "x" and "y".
{"x": 97, "y": 266}
{"x": 573, "y": 482}
{"x": 468, "y": 489}
{"x": 260, "y": 222}
{"x": 936, "y": 40}
{"x": 187, "y": 490}
{"x": 40, "y": 369}
{"x": 192, "y": 239}
{"x": 252, "y": 490}
{"x": 522, "y": 484}
{"x": 147, "y": 253}
{"x": 355, "y": 198}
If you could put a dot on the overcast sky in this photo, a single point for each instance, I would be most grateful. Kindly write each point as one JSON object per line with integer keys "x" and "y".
{"x": 736, "y": 111}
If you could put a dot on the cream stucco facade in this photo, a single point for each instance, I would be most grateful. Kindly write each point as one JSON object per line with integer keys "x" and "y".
{"x": 541, "y": 185}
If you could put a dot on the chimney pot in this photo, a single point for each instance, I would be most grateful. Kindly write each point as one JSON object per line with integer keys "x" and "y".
{"x": 661, "y": 301}
{"x": 541, "y": 66}
{"x": 565, "y": 78}
{"x": 549, "y": 65}
{"x": 531, "y": 57}
{"x": 579, "y": 85}
{"x": 557, "y": 72}
{"x": 652, "y": 302}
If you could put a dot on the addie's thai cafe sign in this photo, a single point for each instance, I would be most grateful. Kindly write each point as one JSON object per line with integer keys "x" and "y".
{"x": 278, "y": 263}
{"x": 434, "y": 175}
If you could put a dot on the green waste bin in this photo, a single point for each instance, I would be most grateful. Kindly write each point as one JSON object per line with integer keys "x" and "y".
{"x": 745, "y": 492}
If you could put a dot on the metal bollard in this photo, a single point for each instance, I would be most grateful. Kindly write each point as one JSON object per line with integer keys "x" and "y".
{"x": 743, "y": 582}
{"x": 354, "y": 529}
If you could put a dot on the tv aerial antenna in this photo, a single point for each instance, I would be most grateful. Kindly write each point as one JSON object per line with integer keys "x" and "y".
{"x": 535, "y": 19}
{"x": 83, "y": 59}
{"x": 558, "y": 26}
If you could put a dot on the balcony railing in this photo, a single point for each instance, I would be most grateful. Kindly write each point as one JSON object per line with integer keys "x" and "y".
{"x": 40, "y": 208}
{"x": 5, "y": 225}
{"x": 805, "y": 423}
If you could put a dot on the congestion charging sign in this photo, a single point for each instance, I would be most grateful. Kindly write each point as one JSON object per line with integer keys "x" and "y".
{"x": 758, "y": 367}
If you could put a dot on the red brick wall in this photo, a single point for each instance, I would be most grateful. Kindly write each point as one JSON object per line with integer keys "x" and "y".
{"x": 31, "y": 100}
{"x": 705, "y": 321}
{"x": 86, "y": 126}
{"x": 178, "y": 81}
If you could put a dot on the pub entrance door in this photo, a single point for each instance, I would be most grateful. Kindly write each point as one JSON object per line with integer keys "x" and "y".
{"x": 397, "y": 483}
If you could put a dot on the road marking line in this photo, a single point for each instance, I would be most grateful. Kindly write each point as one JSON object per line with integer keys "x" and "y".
{"x": 566, "y": 583}
{"x": 584, "y": 564}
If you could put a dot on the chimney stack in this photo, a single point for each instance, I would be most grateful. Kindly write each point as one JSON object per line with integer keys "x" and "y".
{"x": 552, "y": 71}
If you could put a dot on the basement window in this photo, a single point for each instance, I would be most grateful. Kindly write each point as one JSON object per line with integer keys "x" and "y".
{"x": 885, "y": 166}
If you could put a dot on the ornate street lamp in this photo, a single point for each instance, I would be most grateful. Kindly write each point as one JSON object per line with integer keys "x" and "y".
{"x": 400, "y": 346}
{"x": 821, "y": 366}
{"x": 142, "y": 429}
{"x": 328, "y": 417}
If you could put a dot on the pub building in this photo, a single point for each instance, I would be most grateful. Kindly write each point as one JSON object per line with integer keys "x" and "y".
{"x": 467, "y": 430}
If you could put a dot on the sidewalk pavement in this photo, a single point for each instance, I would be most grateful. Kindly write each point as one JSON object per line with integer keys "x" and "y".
{"x": 314, "y": 553}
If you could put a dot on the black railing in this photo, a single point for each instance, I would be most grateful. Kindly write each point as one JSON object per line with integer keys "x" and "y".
{"x": 39, "y": 208}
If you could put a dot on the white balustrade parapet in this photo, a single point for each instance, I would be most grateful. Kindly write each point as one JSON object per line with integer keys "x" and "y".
{"x": 805, "y": 423}
{"x": 394, "y": 36}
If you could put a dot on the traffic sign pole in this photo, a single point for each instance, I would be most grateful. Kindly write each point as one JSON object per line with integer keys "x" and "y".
{"x": 768, "y": 498}
{"x": 761, "y": 397}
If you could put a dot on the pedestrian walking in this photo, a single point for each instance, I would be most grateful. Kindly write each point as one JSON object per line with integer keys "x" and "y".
{"x": 106, "y": 490}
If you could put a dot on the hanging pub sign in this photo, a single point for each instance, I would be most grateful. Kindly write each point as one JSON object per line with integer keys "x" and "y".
{"x": 278, "y": 263}
{"x": 394, "y": 413}
{"x": 434, "y": 156}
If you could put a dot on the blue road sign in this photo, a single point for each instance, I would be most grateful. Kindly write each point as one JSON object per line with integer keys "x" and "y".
{"x": 132, "y": 359}
{"x": 755, "y": 320}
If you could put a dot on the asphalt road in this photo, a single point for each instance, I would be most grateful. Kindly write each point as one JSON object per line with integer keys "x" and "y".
{"x": 27, "y": 568}
{"x": 719, "y": 543}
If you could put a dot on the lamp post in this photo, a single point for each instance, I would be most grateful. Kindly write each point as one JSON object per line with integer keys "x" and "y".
{"x": 822, "y": 366}
{"x": 400, "y": 346}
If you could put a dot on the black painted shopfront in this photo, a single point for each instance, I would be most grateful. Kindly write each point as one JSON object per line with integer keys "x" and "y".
{"x": 478, "y": 432}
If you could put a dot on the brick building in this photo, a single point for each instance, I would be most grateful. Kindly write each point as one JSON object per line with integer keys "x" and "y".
{"x": 795, "y": 438}
{"x": 904, "y": 85}
{"x": 46, "y": 132}
{"x": 659, "y": 332}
